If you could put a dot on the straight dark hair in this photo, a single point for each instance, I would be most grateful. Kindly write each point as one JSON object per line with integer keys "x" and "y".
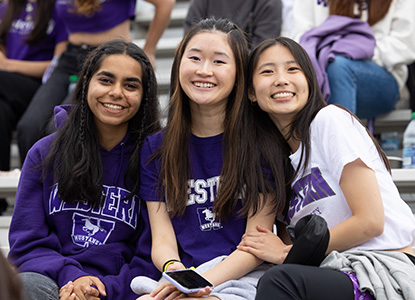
{"x": 74, "y": 157}
{"x": 175, "y": 165}
{"x": 299, "y": 128}
{"x": 44, "y": 10}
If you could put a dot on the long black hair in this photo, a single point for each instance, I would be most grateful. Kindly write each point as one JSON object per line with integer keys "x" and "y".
{"x": 299, "y": 128}
{"x": 44, "y": 10}
{"x": 74, "y": 156}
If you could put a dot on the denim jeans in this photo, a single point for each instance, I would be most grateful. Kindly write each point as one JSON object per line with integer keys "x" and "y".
{"x": 362, "y": 86}
{"x": 38, "y": 287}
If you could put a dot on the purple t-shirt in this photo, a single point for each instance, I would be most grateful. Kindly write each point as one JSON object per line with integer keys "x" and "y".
{"x": 111, "y": 14}
{"x": 200, "y": 236}
{"x": 21, "y": 27}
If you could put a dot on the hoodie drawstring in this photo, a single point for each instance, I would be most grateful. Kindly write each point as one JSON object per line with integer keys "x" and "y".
{"x": 120, "y": 164}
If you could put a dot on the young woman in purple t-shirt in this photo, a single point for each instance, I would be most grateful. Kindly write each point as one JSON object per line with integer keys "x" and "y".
{"x": 199, "y": 205}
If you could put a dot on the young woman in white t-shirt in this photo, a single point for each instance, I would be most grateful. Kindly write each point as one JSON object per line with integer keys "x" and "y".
{"x": 338, "y": 172}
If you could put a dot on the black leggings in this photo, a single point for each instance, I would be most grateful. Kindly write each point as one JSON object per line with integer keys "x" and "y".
{"x": 299, "y": 282}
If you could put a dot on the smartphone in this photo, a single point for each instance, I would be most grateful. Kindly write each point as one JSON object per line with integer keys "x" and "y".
{"x": 188, "y": 280}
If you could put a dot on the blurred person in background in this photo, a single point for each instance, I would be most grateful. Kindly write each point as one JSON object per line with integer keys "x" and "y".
{"x": 368, "y": 83}
{"x": 30, "y": 35}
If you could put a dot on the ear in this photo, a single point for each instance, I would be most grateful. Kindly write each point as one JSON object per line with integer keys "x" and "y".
{"x": 252, "y": 96}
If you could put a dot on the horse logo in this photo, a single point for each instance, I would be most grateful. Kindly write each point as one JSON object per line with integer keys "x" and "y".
{"x": 88, "y": 231}
{"x": 207, "y": 219}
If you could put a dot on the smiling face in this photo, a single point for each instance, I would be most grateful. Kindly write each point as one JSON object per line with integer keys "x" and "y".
{"x": 115, "y": 92}
{"x": 207, "y": 69}
{"x": 280, "y": 86}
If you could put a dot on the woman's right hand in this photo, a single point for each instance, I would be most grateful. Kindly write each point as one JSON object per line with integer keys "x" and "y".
{"x": 66, "y": 292}
{"x": 265, "y": 245}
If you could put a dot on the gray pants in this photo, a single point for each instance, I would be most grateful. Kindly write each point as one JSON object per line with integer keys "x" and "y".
{"x": 243, "y": 288}
{"x": 38, "y": 287}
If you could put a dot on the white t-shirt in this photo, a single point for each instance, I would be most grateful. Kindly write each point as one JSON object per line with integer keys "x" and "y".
{"x": 336, "y": 140}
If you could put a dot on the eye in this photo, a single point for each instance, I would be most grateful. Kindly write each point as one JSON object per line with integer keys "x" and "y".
{"x": 266, "y": 71}
{"x": 131, "y": 86}
{"x": 294, "y": 68}
{"x": 218, "y": 61}
{"x": 195, "y": 58}
{"x": 105, "y": 80}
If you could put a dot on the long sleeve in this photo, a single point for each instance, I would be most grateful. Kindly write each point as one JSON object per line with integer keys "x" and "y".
{"x": 395, "y": 42}
{"x": 34, "y": 247}
{"x": 118, "y": 286}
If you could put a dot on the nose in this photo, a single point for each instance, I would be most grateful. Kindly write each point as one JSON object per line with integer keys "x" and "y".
{"x": 116, "y": 91}
{"x": 280, "y": 79}
{"x": 204, "y": 69}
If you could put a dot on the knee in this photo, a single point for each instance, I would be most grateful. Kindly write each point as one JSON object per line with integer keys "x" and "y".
{"x": 282, "y": 279}
{"x": 272, "y": 275}
{"x": 37, "y": 286}
{"x": 7, "y": 116}
{"x": 339, "y": 65}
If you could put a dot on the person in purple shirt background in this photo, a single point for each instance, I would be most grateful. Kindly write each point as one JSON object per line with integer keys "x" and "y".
{"x": 30, "y": 35}
{"x": 89, "y": 23}
{"x": 194, "y": 162}
{"x": 77, "y": 213}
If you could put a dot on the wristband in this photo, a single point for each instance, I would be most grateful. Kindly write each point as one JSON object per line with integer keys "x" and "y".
{"x": 168, "y": 263}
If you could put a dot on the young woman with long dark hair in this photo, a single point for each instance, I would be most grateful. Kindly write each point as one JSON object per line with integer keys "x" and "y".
{"x": 198, "y": 203}
{"x": 338, "y": 173}
{"x": 77, "y": 213}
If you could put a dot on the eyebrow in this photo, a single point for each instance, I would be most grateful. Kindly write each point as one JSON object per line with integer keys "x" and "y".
{"x": 216, "y": 52}
{"x": 272, "y": 64}
{"x": 109, "y": 74}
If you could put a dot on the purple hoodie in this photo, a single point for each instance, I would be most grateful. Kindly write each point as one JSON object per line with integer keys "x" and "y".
{"x": 64, "y": 241}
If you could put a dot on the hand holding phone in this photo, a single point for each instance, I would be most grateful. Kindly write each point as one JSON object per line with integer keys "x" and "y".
{"x": 187, "y": 281}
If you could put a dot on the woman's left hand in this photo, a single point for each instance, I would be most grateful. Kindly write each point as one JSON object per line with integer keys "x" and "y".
{"x": 265, "y": 245}
{"x": 167, "y": 291}
{"x": 84, "y": 288}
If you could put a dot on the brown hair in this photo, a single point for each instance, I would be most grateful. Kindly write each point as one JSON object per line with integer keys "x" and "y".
{"x": 377, "y": 9}
{"x": 87, "y": 7}
{"x": 175, "y": 165}
{"x": 10, "y": 285}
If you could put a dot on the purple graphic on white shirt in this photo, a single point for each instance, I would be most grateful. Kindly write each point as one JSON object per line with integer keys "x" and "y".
{"x": 308, "y": 189}
{"x": 322, "y": 2}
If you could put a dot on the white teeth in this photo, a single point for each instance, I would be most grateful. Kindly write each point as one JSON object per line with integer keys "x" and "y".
{"x": 282, "y": 95}
{"x": 204, "y": 84}
{"x": 113, "y": 106}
